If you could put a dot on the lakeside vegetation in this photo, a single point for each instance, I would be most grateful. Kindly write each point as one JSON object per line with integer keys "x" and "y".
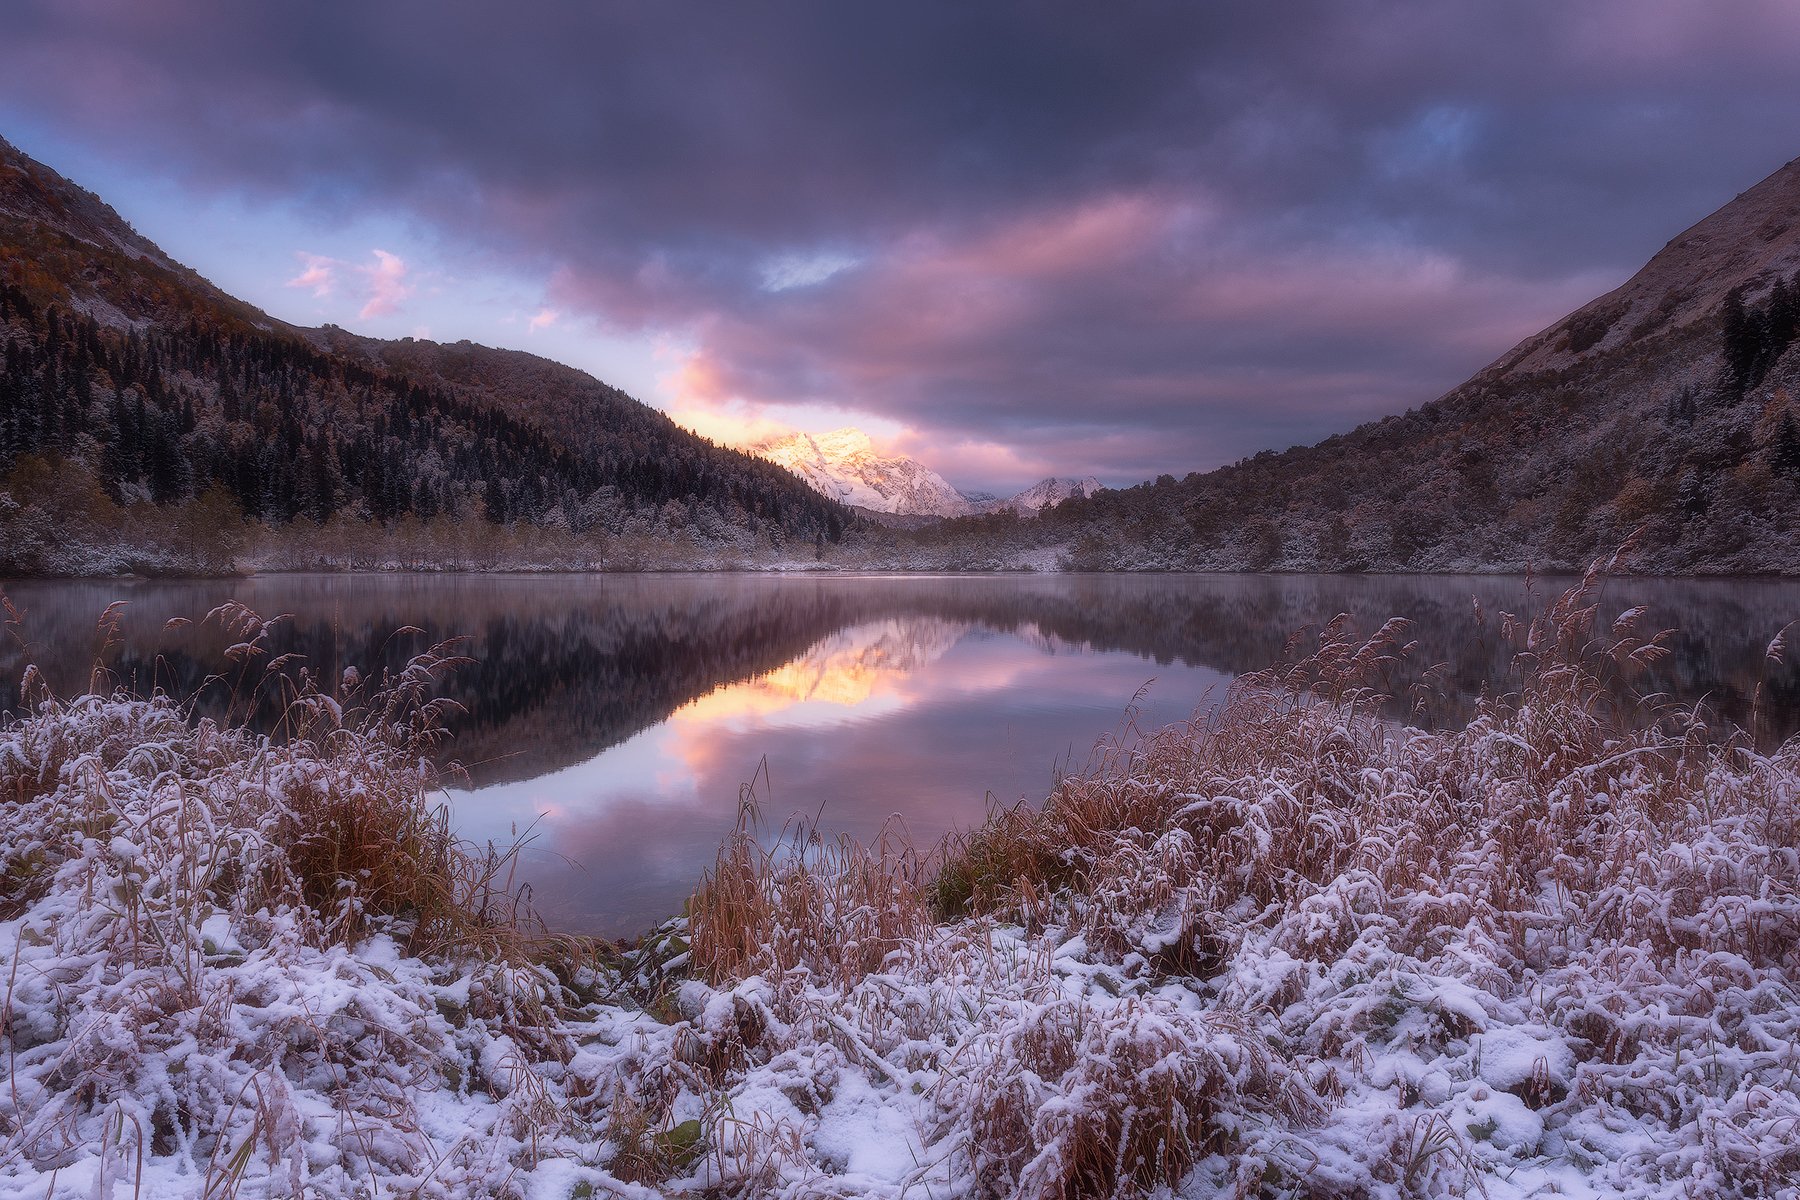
{"x": 1293, "y": 949}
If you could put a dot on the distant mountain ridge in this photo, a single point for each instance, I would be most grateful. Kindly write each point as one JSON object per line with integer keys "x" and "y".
{"x": 845, "y": 466}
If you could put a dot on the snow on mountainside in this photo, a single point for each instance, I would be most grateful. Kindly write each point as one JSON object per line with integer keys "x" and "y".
{"x": 844, "y": 465}
{"x": 1745, "y": 246}
{"x": 29, "y": 191}
{"x": 1032, "y": 500}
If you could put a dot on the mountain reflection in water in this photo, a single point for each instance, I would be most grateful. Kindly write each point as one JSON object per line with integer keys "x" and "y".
{"x": 615, "y": 717}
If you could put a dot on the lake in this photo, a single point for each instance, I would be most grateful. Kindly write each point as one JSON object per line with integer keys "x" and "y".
{"x": 615, "y": 719}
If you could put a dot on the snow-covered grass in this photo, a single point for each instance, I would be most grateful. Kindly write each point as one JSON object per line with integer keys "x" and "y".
{"x": 1292, "y": 950}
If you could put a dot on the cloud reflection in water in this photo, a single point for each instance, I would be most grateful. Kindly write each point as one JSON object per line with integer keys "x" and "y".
{"x": 914, "y": 720}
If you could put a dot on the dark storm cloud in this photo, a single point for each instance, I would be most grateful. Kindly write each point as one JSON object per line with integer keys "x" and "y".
{"x": 1124, "y": 238}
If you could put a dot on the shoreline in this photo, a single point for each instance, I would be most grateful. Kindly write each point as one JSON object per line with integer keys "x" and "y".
{"x": 1560, "y": 573}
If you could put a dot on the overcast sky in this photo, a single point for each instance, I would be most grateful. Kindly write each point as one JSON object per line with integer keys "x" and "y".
{"x": 1011, "y": 239}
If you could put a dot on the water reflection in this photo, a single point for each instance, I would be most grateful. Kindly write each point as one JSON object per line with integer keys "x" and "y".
{"x": 917, "y": 722}
{"x": 616, "y": 717}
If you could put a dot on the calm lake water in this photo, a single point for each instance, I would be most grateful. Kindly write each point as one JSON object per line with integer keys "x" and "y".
{"x": 615, "y": 718}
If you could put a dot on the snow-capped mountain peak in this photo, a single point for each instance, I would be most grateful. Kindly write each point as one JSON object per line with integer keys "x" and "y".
{"x": 1054, "y": 490}
{"x": 845, "y": 465}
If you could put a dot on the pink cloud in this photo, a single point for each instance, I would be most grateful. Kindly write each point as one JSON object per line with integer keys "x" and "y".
{"x": 318, "y": 276}
{"x": 701, "y": 401}
{"x": 388, "y": 288}
{"x": 989, "y": 462}
{"x": 543, "y": 319}
{"x": 383, "y": 285}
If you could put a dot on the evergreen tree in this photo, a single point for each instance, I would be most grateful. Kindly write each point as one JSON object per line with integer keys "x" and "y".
{"x": 1742, "y": 343}
{"x": 1779, "y": 318}
{"x": 1784, "y": 450}
{"x": 165, "y": 465}
{"x": 286, "y": 428}
{"x": 1690, "y": 494}
{"x": 493, "y": 500}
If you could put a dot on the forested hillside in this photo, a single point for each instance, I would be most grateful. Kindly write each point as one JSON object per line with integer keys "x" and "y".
{"x": 149, "y": 422}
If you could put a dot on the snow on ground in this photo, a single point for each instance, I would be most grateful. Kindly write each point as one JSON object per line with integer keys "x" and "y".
{"x": 1299, "y": 952}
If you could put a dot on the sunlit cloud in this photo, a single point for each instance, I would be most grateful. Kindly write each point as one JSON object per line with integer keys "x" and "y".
{"x": 318, "y": 274}
{"x": 387, "y": 283}
{"x": 974, "y": 459}
{"x": 699, "y": 398}
{"x": 544, "y": 318}
{"x": 731, "y": 425}
{"x": 383, "y": 285}
{"x": 1122, "y": 336}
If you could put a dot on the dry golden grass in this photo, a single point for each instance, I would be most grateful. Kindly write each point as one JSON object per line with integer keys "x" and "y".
{"x": 1191, "y": 809}
{"x": 1077, "y": 1101}
{"x": 1299, "y": 821}
{"x": 833, "y": 910}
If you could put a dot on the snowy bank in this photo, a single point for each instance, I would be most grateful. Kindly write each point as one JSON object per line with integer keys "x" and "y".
{"x": 1293, "y": 951}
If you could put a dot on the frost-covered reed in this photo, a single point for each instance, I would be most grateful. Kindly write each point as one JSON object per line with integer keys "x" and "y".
{"x": 1290, "y": 949}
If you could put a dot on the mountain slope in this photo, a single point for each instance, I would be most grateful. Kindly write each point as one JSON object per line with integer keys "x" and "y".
{"x": 1664, "y": 408}
{"x": 148, "y": 410}
{"x": 62, "y": 244}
